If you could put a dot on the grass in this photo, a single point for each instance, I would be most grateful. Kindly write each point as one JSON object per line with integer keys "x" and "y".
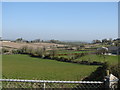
{"x": 65, "y": 56}
{"x": 26, "y": 67}
{"x": 110, "y": 59}
{"x": 71, "y": 51}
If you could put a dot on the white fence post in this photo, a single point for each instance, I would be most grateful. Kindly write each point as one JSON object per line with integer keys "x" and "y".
{"x": 44, "y": 86}
{"x": 0, "y": 85}
{"x": 111, "y": 82}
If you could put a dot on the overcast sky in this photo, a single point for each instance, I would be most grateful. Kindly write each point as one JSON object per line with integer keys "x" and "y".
{"x": 79, "y": 21}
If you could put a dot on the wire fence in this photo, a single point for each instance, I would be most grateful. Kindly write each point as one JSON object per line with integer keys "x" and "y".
{"x": 46, "y": 84}
{"x": 110, "y": 83}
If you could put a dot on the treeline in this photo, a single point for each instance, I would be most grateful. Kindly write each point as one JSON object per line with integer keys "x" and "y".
{"x": 49, "y": 41}
{"x": 107, "y": 41}
{"x": 43, "y": 53}
{"x": 52, "y": 54}
{"x": 3, "y": 50}
{"x": 39, "y": 52}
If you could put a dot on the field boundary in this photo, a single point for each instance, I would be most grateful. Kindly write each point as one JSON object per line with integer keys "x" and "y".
{"x": 45, "y": 84}
{"x": 48, "y": 81}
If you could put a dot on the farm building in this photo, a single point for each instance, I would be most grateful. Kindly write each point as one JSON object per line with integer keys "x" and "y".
{"x": 72, "y": 48}
{"x": 102, "y": 48}
{"x": 6, "y": 41}
{"x": 113, "y": 50}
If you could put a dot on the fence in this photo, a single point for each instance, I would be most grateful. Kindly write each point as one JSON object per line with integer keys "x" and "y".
{"x": 109, "y": 83}
{"x": 45, "y": 84}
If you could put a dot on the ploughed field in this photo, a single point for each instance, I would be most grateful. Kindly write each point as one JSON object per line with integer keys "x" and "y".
{"x": 26, "y": 67}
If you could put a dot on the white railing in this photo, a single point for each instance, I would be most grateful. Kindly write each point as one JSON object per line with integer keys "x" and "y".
{"x": 110, "y": 81}
{"x": 13, "y": 83}
{"x": 48, "y": 81}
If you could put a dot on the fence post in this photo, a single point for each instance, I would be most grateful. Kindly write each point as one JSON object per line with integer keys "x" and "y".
{"x": 111, "y": 82}
{"x": 44, "y": 86}
{"x": 0, "y": 85}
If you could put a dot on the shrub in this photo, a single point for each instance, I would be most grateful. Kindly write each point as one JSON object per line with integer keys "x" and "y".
{"x": 23, "y": 50}
{"x": 14, "y": 51}
{"x": 4, "y": 50}
{"x": 98, "y": 74}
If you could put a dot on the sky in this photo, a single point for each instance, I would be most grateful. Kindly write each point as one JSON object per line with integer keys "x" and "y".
{"x": 75, "y": 21}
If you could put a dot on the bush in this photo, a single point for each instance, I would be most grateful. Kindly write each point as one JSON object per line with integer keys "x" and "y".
{"x": 39, "y": 52}
{"x": 15, "y": 51}
{"x": 98, "y": 74}
{"x": 22, "y": 50}
{"x": 4, "y": 50}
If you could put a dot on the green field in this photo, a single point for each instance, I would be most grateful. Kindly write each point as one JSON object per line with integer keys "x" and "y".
{"x": 71, "y": 51}
{"x": 26, "y": 67}
{"x": 110, "y": 59}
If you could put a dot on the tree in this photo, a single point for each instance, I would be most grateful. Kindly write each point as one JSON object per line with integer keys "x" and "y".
{"x": 104, "y": 40}
{"x": 19, "y": 39}
{"x": 82, "y": 45}
{"x": 101, "y": 52}
{"x": 36, "y": 40}
{"x": 23, "y": 50}
{"x": 4, "y": 51}
{"x": 53, "y": 52}
{"x": 30, "y": 50}
{"x": 96, "y": 41}
{"x": 40, "y": 52}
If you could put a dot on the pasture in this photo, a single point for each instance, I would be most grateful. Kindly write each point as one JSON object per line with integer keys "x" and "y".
{"x": 71, "y": 51}
{"x": 26, "y": 67}
{"x": 92, "y": 57}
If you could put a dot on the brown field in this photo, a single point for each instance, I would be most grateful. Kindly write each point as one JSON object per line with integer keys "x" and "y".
{"x": 16, "y": 45}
